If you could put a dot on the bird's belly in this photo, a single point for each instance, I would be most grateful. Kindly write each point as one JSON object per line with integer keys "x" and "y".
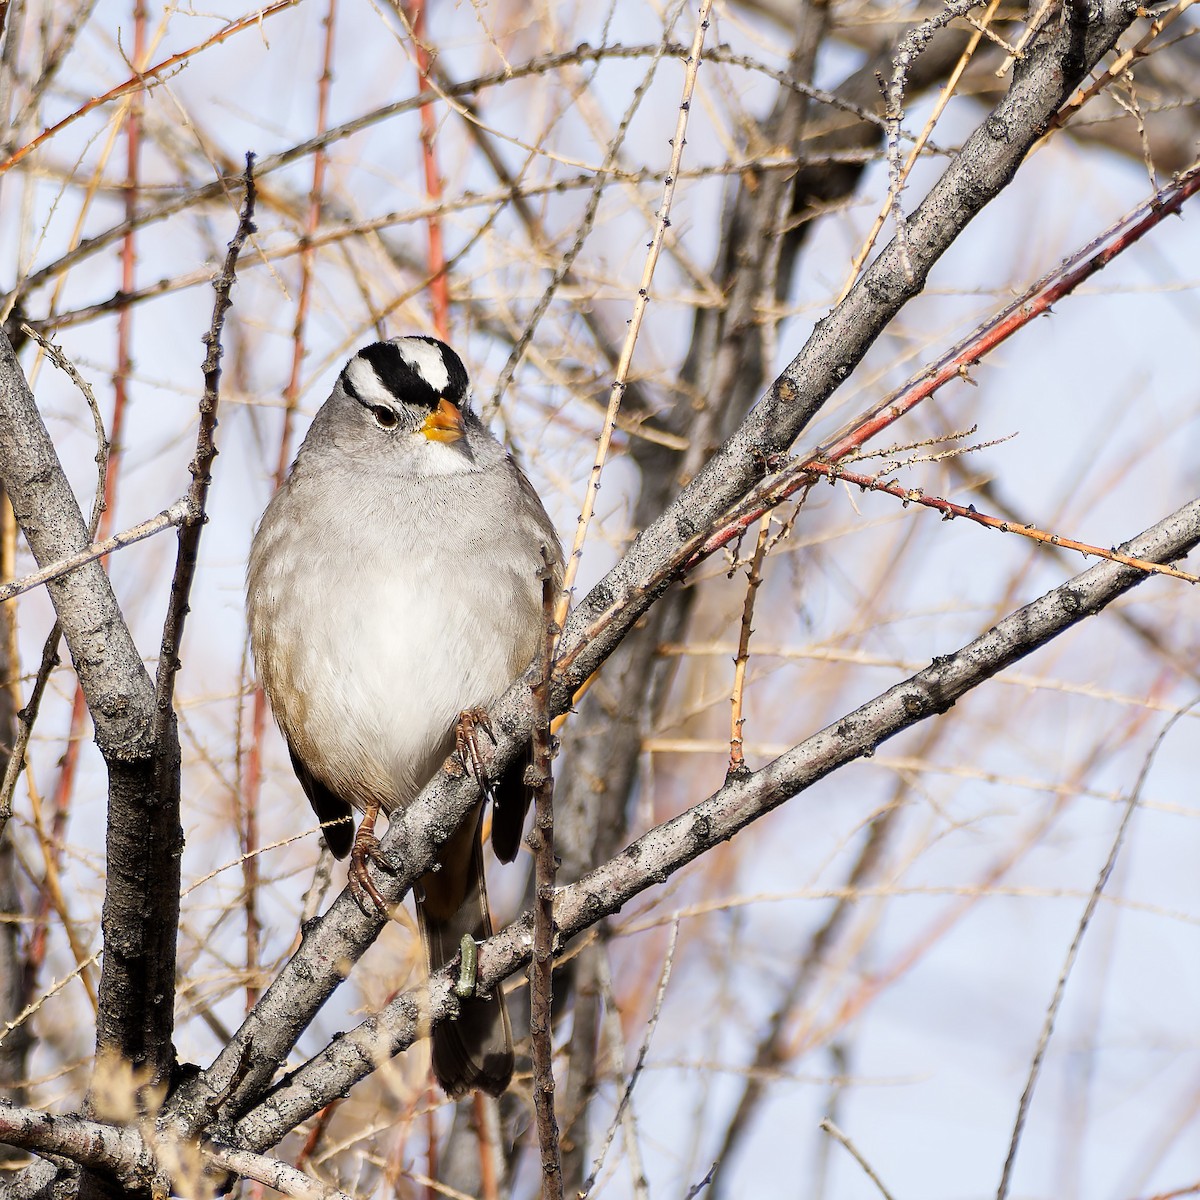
{"x": 379, "y": 678}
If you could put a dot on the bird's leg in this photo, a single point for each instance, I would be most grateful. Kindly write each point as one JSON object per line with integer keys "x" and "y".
{"x": 366, "y": 850}
{"x": 466, "y": 744}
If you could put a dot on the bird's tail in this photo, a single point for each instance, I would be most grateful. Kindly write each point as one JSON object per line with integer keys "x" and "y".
{"x": 475, "y": 1051}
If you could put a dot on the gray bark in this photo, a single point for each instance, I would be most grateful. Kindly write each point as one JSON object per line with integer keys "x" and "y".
{"x": 144, "y": 839}
{"x": 656, "y": 855}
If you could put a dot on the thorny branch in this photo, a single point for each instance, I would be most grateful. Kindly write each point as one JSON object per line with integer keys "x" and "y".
{"x": 827, "y": 460}
{"x": 951, "y": 511}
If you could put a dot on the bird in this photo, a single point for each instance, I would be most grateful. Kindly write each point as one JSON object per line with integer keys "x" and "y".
{"x": 394, "y": 592}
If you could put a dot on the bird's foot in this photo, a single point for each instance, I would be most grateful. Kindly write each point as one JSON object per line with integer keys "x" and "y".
{"x": 466, "y": 744}
{"x": 367, "y": 850}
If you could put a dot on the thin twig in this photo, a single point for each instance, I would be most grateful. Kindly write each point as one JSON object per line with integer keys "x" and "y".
{"x": 316, "y": 1133}
{"x": 897, "y": 174}
{"x": 138, "y": 82}
{"x": 439, "y": 286}
{"x": 26, "y": 718}
{"x": 103, "y": 442}
{"x": 1033, "y": 23}
{"x": 737, "y": 759}
{"x": 516, "y": 195}
{"x": 541, "y": 967}
{"x": 1089, "y": 911}
{"x": 565, "y": 267}
{"x": 201, "y": 467}
{"x": 614, "y": 1040}
{"x": 701, "y": 1184}
{"x": 1190, "y": 1189}
{"x": 50, "y": 64}
{"x": 639, "y": 311}
{"x": 54, "y": 989}
{"x": 1119, "y": 65}
{"x": 52, "y": 899}
{"x": 133, "y": 141}
{"x": 663, "y": 979}
{"x": 176, "y": 514}
{"x": 830, "y": 1128}
{"x": 912, "y": 46}
{"x": 968, "y": 512}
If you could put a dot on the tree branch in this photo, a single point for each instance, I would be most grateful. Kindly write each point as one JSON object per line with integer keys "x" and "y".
{"x": 124, "y": 1153}
{"x": 657, "y": 854}
{"x": 118, "y": 689}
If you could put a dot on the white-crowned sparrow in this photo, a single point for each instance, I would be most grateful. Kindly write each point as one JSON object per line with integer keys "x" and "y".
{"x": 395, "y": 582}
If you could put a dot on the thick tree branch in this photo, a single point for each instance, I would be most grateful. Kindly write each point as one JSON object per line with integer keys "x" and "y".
{"x": 656, "y": 855}
{"x": 124, "y": 1153}
{"x": 119, "y": 691}
{"x": 136, "y": 735}
{"x": 118, "y": 1151}
{"x": 144, "y": 839}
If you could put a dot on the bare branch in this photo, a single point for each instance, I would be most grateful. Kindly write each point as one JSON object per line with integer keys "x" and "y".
{"x": 201, "y": 466}
{"x": 541, "y": 968}
{"x": 117, "y": 687}
{"x": 673, "y": 844}
{"x": 1073, "y": 953}
{"x": 176, "y": 514}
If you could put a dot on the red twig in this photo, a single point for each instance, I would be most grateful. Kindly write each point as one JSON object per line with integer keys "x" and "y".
{"x": 252, "y": 782}
{"x": 795, "y": 475}
{"x": 137, "y": 82}
{"x": 955, "y": 363}
{"x": 64, "y": 785}
{"x": 439, "y": 289}
{"x": 950, "y": 510}
{"x": 315, "y": 1134}
{"x": 1039, "y": 299}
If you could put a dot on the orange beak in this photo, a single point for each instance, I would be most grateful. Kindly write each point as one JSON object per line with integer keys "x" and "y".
{"x": 444, "y": 424}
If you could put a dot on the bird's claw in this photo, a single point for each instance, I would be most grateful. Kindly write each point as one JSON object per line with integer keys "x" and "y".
{"x": 466, "y": 744}
{"x": 367, "y": 850}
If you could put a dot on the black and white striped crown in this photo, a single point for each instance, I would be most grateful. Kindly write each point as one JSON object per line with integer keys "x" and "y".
{"x": 414, "y": 370}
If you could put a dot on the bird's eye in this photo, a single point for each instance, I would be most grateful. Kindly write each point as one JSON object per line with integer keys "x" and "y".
{"x": 386, "y": 418}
